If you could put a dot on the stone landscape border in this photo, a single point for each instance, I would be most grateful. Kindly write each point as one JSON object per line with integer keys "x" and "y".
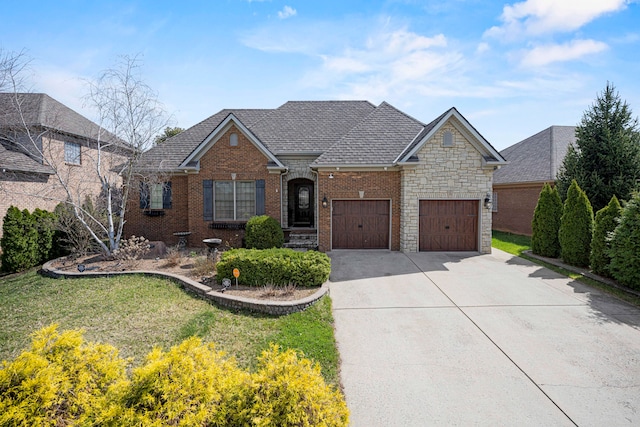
{"x": 276, "y": 308}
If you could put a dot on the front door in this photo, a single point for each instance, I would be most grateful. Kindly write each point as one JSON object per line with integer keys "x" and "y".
{"x": 303, "y": 204}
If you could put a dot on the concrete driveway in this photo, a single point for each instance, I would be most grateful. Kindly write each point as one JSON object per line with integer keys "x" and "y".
{"x": 468, "y": 339}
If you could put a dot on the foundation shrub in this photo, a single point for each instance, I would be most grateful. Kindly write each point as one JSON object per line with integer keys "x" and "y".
{"x": 263, "y": 232}
{"x": 276, "y": 267}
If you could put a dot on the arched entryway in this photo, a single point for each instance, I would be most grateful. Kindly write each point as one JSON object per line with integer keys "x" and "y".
{"x": 301, "y": 202}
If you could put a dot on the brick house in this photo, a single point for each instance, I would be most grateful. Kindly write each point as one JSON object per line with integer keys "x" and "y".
{"x": 533, "y": 162}
{"x": 40, "y": 137}
{"x": 350, "y": 174}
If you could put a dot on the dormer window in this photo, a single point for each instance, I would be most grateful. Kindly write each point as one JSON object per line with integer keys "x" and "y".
{"x": 233, "y": 140}
{"x": 447, "y": 139}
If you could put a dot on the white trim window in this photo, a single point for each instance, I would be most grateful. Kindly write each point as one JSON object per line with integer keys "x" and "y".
{"x": 234, "y": 200}
{"x": 72, "y": 153}
{"x": 156, "y": 196}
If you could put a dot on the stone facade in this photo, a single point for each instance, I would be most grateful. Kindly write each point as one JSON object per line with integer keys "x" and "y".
{"x": 445, "y": 173}
{"x": 297, "y": 168}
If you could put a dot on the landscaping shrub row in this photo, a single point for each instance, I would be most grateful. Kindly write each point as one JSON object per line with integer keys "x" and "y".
{"x": 609, "y": 244}
{"x": 278, "y": 267}
{"x": 27, "y": 239}
{"x": 61, "y": 380}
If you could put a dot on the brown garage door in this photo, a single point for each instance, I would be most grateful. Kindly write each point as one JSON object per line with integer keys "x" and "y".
{"x": 360, "y": 224}
{"x": 448, "y": 225}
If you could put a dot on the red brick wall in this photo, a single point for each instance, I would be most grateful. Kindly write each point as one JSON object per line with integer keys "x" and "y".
{"x": 159, "y": 227}
{"x": 347, "y": 185}
{"x": 245, "y": 160}
{"x": 516, "y": 204}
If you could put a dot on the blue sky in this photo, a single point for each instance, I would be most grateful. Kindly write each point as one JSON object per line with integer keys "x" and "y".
{"x": 512, "y": 68}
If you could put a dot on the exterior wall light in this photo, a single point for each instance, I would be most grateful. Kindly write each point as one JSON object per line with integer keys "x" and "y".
{"x": 487, "y": 201}
{"x": 325, "y": 202}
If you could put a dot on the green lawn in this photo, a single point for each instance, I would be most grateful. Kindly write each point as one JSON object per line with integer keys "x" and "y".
{"x": 136, "y": 313}
{"x": 515, "y": 244}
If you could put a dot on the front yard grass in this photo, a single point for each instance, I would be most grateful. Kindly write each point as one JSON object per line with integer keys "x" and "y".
{"x": 136, "y": 313}
{"x": 516, "y": 244}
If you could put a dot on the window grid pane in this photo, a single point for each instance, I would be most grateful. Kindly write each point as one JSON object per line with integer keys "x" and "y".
{"x": 223, "y": 202}
{"x": 156, "y": 196}
{"x": 72, "y": 153}
{"x": 246, "y": 199}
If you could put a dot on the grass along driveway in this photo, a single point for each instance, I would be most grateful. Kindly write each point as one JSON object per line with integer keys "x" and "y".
{"x": 516, "y": 244}
{"x": 136, "y": 313}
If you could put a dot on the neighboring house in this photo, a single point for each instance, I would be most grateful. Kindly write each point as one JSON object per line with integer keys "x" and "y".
{"x": 41, "y": 137}
{"x": 351, "y": 174}
{"x": 532, "y": 163}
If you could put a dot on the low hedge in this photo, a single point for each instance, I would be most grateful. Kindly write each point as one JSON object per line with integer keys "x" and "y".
{"x": 61, "y": 380}
{"x": 278, "y": 267}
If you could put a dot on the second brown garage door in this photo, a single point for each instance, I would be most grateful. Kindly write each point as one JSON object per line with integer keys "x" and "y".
{"x": 360, "y": 224}
{"x": 448, "y": 225}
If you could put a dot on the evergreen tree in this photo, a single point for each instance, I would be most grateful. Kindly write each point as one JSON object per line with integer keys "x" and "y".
{"x": 625, "y": 246}
{"x": 19, "y": 241}
{"x": 576, "y": 227}
{"x": 606, "y": 159}
{"x": 546, "y": 222}
{"x": 606, "y": 222}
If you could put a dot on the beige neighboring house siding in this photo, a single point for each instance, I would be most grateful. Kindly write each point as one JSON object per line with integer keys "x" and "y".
{"x": 31, "y": 191}
{"x": 445, "y": 173}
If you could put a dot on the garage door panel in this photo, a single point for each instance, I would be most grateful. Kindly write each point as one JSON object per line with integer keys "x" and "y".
{"x": 448, "y": 225}
{"x": 360, "y": 224}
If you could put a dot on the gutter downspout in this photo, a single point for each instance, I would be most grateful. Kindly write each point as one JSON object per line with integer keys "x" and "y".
{"x": 286, "y": 172}
{"x": 317, "y": 206}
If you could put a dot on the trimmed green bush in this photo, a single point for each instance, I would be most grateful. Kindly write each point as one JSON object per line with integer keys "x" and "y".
{"x": 276, "y": 267}
{"x": 58, "y": 380}
{"x": 263, "y": 232}
{"x": 61, "y": 380}
{"x": 576, "y": 227}
{"x": 625, "y": 246}
{"x": 606, "y": 221}
{"x": 546, "y": 223}
{"x": 19, "y": 241}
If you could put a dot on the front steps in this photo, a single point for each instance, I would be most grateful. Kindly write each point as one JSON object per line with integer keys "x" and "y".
{"x": 302, "y": 240}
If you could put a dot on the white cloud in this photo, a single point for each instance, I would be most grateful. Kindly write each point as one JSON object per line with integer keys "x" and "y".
{"x": 388, "y": 63}
{"x": 547, "y": 54}
{"x": 535, "y": 17}
{"x": 287, "y": 12}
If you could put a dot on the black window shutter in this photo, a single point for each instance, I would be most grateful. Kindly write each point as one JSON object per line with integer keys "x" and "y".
{"x": 260, "y": 206}
{"x": 167, "y": 199}
{"x": 207, "y": 199}
{"x": 144, "y": 196}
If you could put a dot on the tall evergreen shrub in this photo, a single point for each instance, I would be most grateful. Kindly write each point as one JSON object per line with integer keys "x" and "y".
{"x": 606, "y": 221}
{"x": 19, "y": 241}
{"x": 625, "y": 246}
{"x": 576, "y": 227}
{"x": 44, "y": 222}
{"x": 546, "y": 223}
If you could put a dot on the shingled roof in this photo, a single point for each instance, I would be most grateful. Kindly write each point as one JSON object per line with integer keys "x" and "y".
{"x": 354, "y": 133}
{"x": 38, "y": 110}
{"x": 537, "y": 158}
